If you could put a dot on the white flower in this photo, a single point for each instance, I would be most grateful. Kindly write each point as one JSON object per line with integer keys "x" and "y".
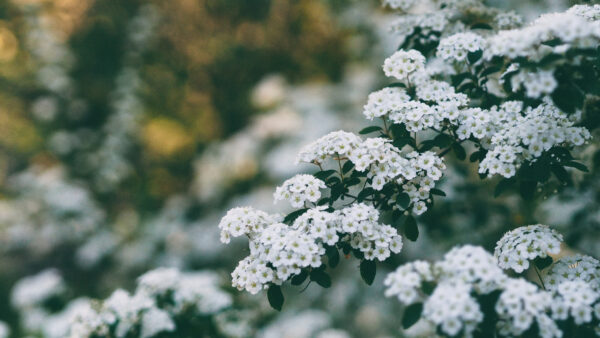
{"x": 299, "y": 189}
{"x": 517, "y": 247}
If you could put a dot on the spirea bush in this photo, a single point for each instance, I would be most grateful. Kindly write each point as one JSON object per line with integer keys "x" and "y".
{"x": 467, "y": 82}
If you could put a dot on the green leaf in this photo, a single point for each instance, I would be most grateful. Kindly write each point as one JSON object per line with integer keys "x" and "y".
{"x": 320, "y": 277}
{"x": 438, "y": 192}
{"x": 333, "y": 181}
{"x": 527, "y": 189}
{"x": 427, "y": 145}
{"x": 542, "y": 263}
{"x": 411, "y": 230}
{"x": 369, "y": 130}
{"x": 403, "y": 200}
{"x": 481, "y": 25}
{"x": 275, "y": 297}
{"x": 351, "y": 181}
{"x": 368, "y": 191}
{"x": 474, "y": 56}
{"x": 347, "y": 167}
{"x": 560, "y": 173}
{"x": 333, "y": 256}
{"x": 503, "y": 185}
{"x": 396, "y": 84}
{"x": 368, "y": 269}
{"x": 300, "y": 278}
{"x": 291, "y": 217}
{"x": 576, "y": 165}
{"x": 459, "y": 151}
{"x": 443, "y": 140}
{"x": 490, "y": 70}
{"x": 412, "y": 313}
{"x": 322, "y": 175}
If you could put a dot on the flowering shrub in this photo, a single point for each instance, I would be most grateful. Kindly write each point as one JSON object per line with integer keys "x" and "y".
{"x": 469, "y": 79}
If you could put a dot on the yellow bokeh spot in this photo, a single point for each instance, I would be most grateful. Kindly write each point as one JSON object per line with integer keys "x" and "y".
{"x": 9, "y": 45}
{"x": 165, "y": 137}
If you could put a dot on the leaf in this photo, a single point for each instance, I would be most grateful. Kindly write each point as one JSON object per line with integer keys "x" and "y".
{"x": 412, "y": 313}
{"x": 459, "y": 151}
{"x": 542, "y": 263}
{"x": 333, "y": 256}
{"x": 576, "y": 165}
{"x": 560, "y": 173}
{"x": 443, "y": 140}
{"x": 322, "y": 175}
{"x": 411, "y": 230}
{"x": 438, "y": 192}
{"x": 403, "y": 200}
{"x": 481, "y": 25}
{"x": 321, "y": 277}
{"x": 396, "y": 84}
{"x": 490, "y": 70}
{"x": 291, "y": 217}
{"x": 300, "y": 278}
{"x": 503, "y": 185}
{"x": 365, "y": 193}
{"x": 369, "y": 130}
{"x": 368, "y": 269}
{"x": 275, "y": 297}
{"x": 527, "y": 189}
{"x": 427, "y": 145}
{"x": 474, "y": 56}
{"x": 352, "y": 181}
{"x": 347, "y": 167}
{"x": 333, "y": 180}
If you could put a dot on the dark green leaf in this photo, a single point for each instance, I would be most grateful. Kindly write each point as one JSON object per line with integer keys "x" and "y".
{"x": 365, "y": 193}
{"x": 443, "y": 140}
{"x": 300, "y": 278}
{"x": 459, "y": 151}
{"x": 481, "y": 25}
{"x": 291, "y": 217}
{"x": 275, "y": 297}
{"x": 333, "y": 181}
{"x": 490, "y": 70}
{"x": 369, "y": 130}
{"x": 412, "y": 313}
{"x": 503, "y": 185}
{"x": 320, "y": 277}
{"x": 347, "y": 167}
{"x": 322, "y": 175}
{"x": 560, "y": 173}
{"x": 474, "y": 56}
{"x": 542, "y": 263}
{"x": 368, "y": 269}
{"x": 576, "y": 165}
{"x": 411, "y": 230}
{"x": 403, "y": 200}
{"x": 527, "y": 189}
{"x": 397, "y": 84}
{"x": 438, "y": 192}
{"x": 333, "y": 256}
{"x": 427, "y": 145}
{"x": 351, "y": 181}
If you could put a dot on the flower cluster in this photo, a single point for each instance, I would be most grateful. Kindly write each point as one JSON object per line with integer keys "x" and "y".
{"x": 452, "y": 308}
{"x": 456, "y": 47}
{"x": 374, "y": 240}
{"x": 508, "y": 20}
{"x": 404, "y": 65}
{"x": 516, "y": 137}
{"x": 517, "y": 247}
{"x": 472, "y": 265}
{"x": 161, "y": 296}
{"x": 577, "y": 299}
{"x": 571, "y": 268}
{"x": 384, "y": 101}
{"x": 591, "y": 13}
{"x": 520, "y": 304}
{"x": 406, "y": 281}
{"x": 537, "y": 84}
{"x": 244, "y": 221}
{"x": 299, "y": 189}
{"x": 403, "y": 5}
{"x": 278, "y": 251}
{"x": 573, "y": 31}
{"x": 338, "y": 143}
{"x": 32, "y": 291}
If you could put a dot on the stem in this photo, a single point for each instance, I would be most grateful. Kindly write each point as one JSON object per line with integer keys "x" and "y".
{"x": 341, "y": 172}
{"x": 539, "y": 276}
